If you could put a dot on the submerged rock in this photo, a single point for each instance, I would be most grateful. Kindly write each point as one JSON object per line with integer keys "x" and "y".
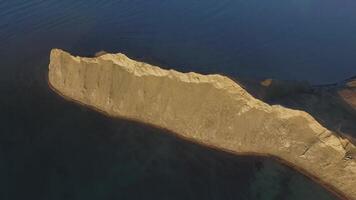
{"x": 209, "y": 109}
{"x": 348, "y": 93}
{"x": 100, "y": 53}
{"x": 349, "y": 96}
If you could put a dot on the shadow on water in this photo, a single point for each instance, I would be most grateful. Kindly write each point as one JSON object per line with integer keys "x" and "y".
{"x": 64, "y": 151}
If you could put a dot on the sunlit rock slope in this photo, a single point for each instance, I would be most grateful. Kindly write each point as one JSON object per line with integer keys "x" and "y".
{"x": 210, "y": 109}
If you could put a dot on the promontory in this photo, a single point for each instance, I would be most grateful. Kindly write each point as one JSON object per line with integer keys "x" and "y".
{"x": 212, "y": 110}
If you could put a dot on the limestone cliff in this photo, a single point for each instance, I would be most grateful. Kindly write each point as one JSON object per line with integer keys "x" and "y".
{"x": 209, "y": 109}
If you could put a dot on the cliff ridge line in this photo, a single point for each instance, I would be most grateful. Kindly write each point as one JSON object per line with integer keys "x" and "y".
{"x": 210, "y": 109}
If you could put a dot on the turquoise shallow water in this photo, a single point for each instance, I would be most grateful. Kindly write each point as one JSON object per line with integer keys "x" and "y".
{"x": 53, "y": 149}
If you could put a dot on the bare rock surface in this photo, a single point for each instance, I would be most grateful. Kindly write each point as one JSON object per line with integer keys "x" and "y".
{"x": 332, "y": 105}
{"x": 210, "y": 109}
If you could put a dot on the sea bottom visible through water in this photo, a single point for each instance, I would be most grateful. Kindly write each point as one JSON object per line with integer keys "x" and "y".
{"x": 67, "y": 151}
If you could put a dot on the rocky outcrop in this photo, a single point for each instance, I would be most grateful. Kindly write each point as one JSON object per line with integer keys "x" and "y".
{"x": 332, "y": 105}
{"x": 210, "y": 109}
{"x": 349, "y": 96}
{"x": 348, "y": 93}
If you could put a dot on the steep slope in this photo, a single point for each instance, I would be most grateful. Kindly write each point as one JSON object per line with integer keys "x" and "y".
{"x": 209, "y": 109}
{"x": 332, "y": 105}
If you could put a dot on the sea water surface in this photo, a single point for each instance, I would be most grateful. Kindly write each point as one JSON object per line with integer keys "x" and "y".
{"x": 54, "y": 149}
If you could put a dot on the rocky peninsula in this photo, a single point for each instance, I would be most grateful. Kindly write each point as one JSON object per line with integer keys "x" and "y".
{"x": 212, "y": 110}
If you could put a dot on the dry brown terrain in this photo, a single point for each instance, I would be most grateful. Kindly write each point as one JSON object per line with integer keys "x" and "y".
{"x": 210, "y": 109}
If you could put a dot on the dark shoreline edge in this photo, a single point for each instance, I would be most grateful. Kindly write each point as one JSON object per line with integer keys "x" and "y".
{"x": 335, "y": 192}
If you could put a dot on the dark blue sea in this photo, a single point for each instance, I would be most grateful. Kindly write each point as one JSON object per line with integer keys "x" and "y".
{"x": 53, "y": 149}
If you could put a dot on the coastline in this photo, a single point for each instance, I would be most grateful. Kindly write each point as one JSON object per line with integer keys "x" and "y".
{"x": 335, "y": 192}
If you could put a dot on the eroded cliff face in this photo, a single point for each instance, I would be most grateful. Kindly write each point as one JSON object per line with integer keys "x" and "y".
{"x": 333, "y": 105}
{"x": 209, "y": 109}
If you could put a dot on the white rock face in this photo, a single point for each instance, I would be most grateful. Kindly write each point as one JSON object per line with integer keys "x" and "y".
{"x": 210, "y": 109}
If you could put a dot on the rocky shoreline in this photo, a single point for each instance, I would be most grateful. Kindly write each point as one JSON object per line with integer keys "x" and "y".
{"x": 209, "y": 109}
{"x": 332, "y": 105}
